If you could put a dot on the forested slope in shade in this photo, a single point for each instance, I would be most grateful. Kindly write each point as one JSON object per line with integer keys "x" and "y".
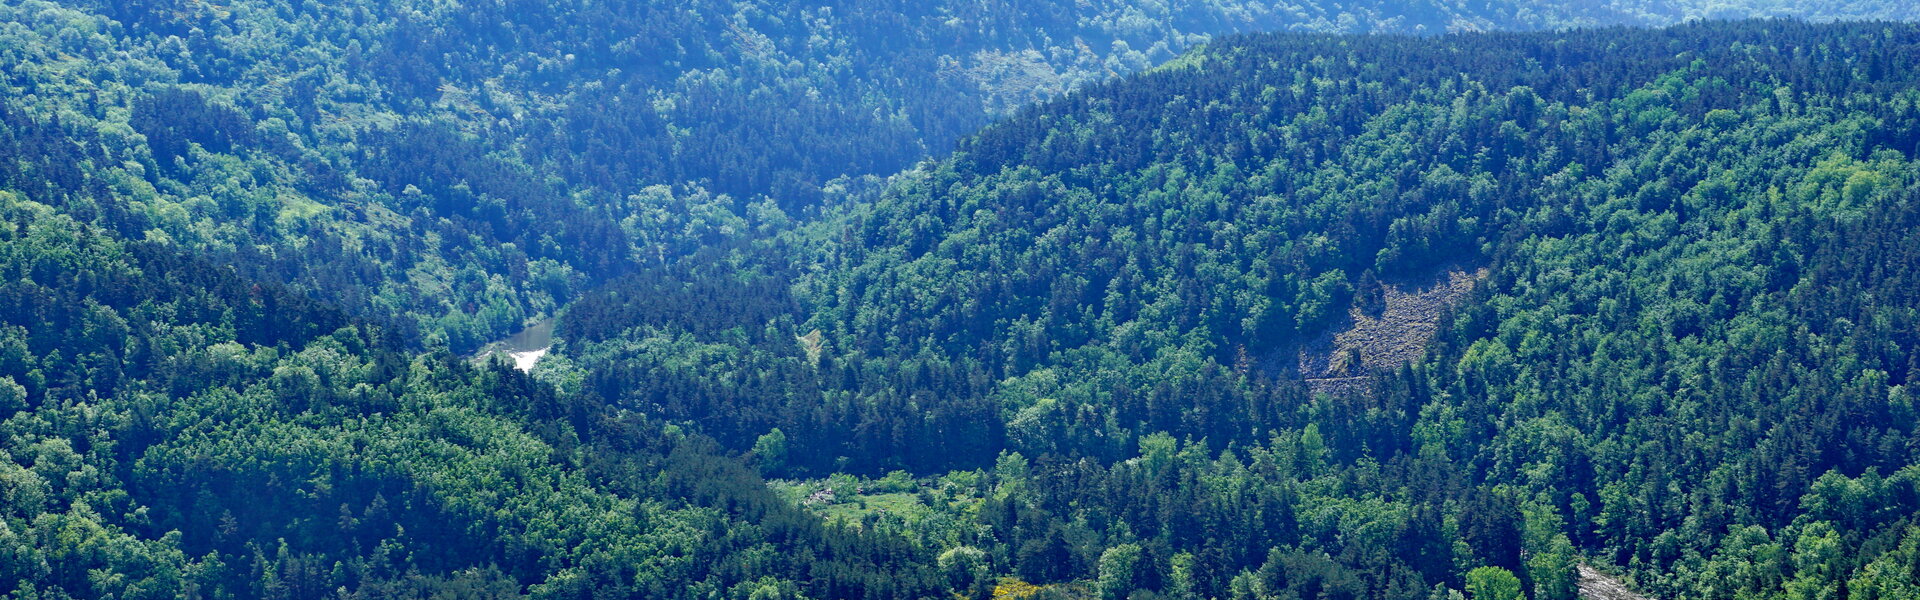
{"x": 455, "y": 169}
{"x": 1691, "y": 357}
{"x": 174, "y": 431}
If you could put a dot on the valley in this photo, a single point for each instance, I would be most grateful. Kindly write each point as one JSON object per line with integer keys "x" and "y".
{"x": 524, "y": 348}
{"x": 752, "y": 300}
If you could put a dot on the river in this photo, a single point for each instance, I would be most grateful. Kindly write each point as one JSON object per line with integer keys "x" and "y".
{"x": 525, "y": 347}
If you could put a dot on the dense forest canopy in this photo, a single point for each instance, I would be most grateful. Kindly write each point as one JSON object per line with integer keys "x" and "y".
{"x": 457, "y": 169}
{"x": 1690, "y": 344}
{"x": 982, "y": 299}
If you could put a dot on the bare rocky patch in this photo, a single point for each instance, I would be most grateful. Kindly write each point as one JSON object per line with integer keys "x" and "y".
{"x": 1392, "y": 332}
{"x": 812, "y": 344}
{"x": 1597, "y": 585}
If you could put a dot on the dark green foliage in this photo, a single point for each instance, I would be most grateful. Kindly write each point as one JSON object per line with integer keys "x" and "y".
{"x": 226, "y": 232}
{"x": 173, "y": 118}
{"x": 1696, "y": 312}
{"x": 190, "y": 432}
{"x": 517, "y": 152}
{"x": 250, "y": 130}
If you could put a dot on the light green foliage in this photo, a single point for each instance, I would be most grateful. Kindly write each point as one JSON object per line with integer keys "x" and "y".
{"x": 1493, "y": 583}
{"x": 845, "y": 488}
{"x": 770, "y": 451}
{"x": 1551, "y": 559}
{"x": 1180, "y": 570}
{"x": 1118, "y": 567}
{"x": 1157, "y": 451}
{"x": 966, "y": 567}
{"x": 13, "y": 397}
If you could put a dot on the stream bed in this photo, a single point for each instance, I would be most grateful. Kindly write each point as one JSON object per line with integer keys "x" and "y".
{"x": 525, "y": 347}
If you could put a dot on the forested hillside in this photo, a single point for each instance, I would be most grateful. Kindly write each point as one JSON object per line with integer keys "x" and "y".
{"x": 456, "y": 169}
{"x": 246, "y": 248}
{"x": 174, "y": 431}
{"x": 1689, "y": 358}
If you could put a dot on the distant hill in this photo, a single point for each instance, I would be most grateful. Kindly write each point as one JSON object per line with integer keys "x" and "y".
{"x": 457, "y": 169}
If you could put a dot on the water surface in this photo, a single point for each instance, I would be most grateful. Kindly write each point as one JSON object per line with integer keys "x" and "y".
{"x": 525, "y": 347}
